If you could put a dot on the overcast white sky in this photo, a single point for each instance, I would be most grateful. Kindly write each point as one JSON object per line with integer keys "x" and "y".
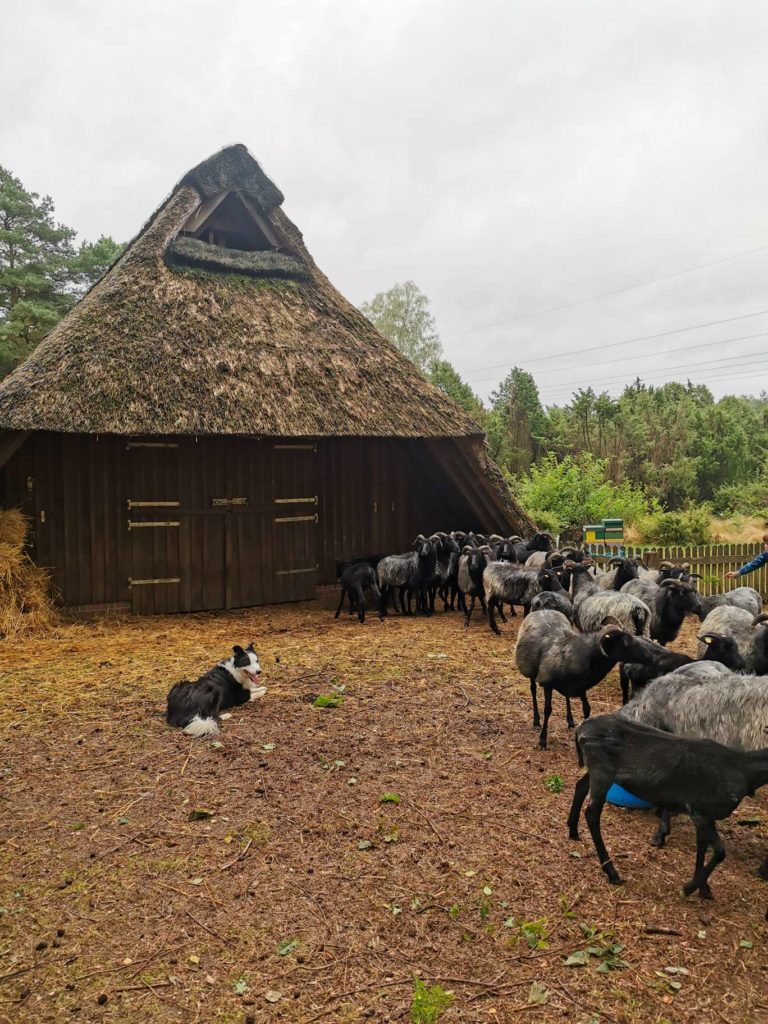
{"x": 507, "y": 156}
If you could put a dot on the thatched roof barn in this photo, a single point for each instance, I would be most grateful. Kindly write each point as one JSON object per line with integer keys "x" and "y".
{"x": 173, "y": 433}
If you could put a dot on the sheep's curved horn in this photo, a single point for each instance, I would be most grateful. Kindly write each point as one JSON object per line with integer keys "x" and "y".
{"x": 664, "y": 564}
{"x": 761, "y": 619}
{"x": 610, "y": 620}
{"x": 677, "y": 584}
{"x": 616, "y": 561}
{"x": 468, "y": 549}
{"x": 568, "y": 564}
{"x": 684, "y": 565}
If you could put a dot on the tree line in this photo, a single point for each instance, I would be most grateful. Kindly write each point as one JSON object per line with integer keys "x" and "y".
{"x": 667, "y": 453}
{"x": 43, "y": 272}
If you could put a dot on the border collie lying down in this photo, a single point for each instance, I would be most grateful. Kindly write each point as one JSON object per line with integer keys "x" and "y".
{"x": 195, "y": 707}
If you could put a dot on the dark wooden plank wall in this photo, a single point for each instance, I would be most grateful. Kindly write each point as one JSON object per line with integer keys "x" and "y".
{"x": 373, "y": 497}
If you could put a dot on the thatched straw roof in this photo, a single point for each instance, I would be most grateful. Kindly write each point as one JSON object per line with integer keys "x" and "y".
{"x": 186, "y": 337}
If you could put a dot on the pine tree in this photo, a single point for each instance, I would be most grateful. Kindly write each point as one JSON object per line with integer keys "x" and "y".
{"x": 35, "y": 268}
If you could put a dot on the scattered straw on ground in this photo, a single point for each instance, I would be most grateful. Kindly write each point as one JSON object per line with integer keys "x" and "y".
{"x": 261, "y": 878}
{"x": 26, "y": 604}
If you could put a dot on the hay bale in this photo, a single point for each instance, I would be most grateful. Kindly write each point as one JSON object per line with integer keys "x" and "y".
{"x": 26, "y": 600}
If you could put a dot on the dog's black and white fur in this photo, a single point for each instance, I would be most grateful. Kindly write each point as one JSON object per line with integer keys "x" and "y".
{"x": 196, "y": 707}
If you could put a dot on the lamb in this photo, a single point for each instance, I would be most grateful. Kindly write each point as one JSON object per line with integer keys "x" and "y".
{"x": 750, "y": 634}
{"x": 669, "y": 601}
{"x": 472, "y": 565}
{"x": 659, "y": 661}
{"x": 741, "y": 597}
{"x": 706, "y": 701}
{"x": 504, "y": 583}
{"x": 550, "y": 653}
{"x": 410, "y": 571}
{"x": 355, "y": 580}
{"x": 704, "y": 779}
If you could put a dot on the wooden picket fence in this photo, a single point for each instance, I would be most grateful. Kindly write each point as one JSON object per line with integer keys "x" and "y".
{"x": 713, "y": 561}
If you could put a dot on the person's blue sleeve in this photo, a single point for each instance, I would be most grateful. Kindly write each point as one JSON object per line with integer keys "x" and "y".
{"x": 761, "y": 559}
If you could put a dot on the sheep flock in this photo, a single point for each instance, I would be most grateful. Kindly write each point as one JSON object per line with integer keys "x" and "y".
{"x": 691, "y": 735}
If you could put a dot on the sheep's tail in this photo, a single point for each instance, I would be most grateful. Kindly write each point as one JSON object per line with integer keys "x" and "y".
{"x": 199, "y": 727}
{"x": 578, "y": 750}
{"x": 639, "y": 618}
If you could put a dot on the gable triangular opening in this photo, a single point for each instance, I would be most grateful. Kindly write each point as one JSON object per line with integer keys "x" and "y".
{"x": 230, "y": 221}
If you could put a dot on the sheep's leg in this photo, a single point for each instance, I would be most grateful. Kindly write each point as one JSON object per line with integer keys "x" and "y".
{"x": 662, "y": 831}
{"x": 360, "y": 601}
{"x": 586, "y": 710}
{"x": 512, "y": 611}
{"x": 579, "y": 796}
{"x": 593, "y": 814}
{"x": 492, "y": 617}
{"x": 547, "y": 715}
{"x": 383, "y": 600}
{"x": 463, "y": 603}
{"x": 468, "y": 614}
{"x": 341, "y": 602}
{"x": 569, "y": 714}
{"x": 535, "y": 702}
{"x": 762, "y": 871}
{"x": 623, "y": 679}
{"x": 706, "y": 835}
{"x": 481, "y": 595}
{"x": 500, "y": 606}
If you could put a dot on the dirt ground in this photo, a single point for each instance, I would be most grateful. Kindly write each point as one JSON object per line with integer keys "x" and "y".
{"x": 145, "y": 877}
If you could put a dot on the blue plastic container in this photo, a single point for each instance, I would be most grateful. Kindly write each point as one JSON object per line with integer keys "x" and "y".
{"x": 623, "y": 798}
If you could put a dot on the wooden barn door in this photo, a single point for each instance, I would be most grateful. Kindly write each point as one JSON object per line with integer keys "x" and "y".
{"x": 294, "y": 520}
{"x": 177, "y": 549}
{"x": 221, "y": 523}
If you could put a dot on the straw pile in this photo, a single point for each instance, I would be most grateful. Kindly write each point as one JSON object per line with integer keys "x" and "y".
{"x": 26, "y": 603}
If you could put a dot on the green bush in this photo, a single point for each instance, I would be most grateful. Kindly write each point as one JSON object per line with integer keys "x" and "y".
{"x": 690, "y": 526}
{"x": 749, "y": 498}
{"x": 574, "y": 492}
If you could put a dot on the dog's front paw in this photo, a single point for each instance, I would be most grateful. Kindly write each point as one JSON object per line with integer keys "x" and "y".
{"x": 260, "y": 691}
{"x": 225, "y": 716}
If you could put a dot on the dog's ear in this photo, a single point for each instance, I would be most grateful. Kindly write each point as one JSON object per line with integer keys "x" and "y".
{"x": 250, "y": 647}
{"x": 238, "y": 650}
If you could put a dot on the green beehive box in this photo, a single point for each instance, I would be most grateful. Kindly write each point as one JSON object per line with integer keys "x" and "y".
{"x": 614, "y": 524}
{"x": 594, "y": 532}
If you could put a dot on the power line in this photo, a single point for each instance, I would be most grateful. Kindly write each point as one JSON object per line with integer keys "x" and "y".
{"x": 762, "y": 369}
{"x": 605, "y": 295}
{"x": 629, "y": 341}
{"x": 645, "y": 355}
{"x": 731, "y": 361}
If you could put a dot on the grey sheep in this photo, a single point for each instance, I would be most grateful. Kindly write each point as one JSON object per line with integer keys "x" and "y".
{"x": 549, "y": 653}
{"x": 630, "y": 612}
{"x": 698, "y": 777}
{"x": 741, "y": 597}
{"x": 505, "y": 583}
{"x": 707, "y": 701}
{"x": 750, "y": 634}
{"x": 669, "y": 602}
